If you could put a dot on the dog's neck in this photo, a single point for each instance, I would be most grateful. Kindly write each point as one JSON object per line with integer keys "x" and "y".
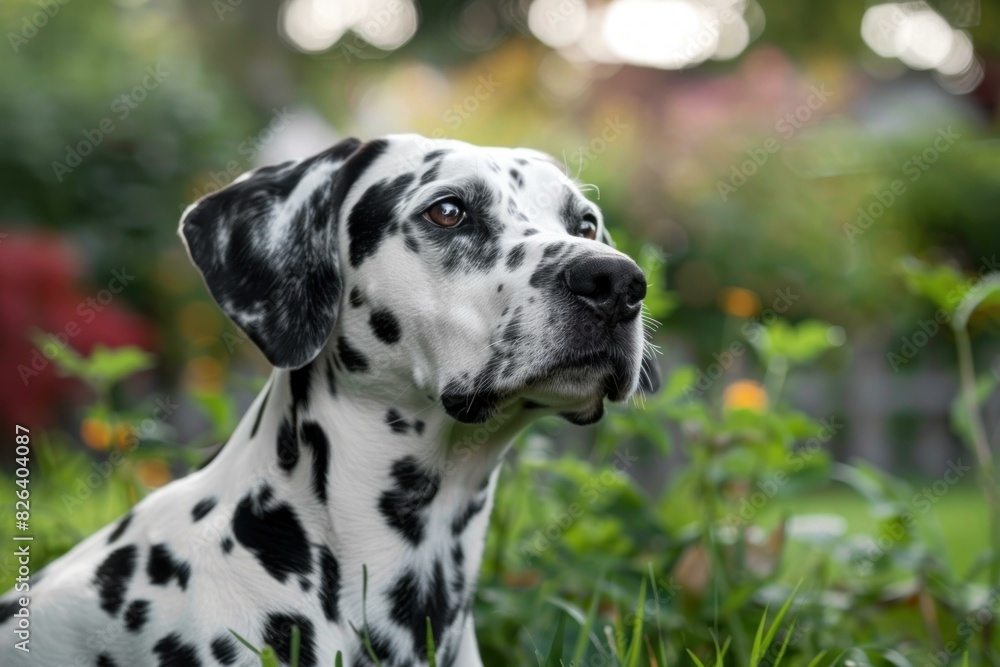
{"x": 393, "y": 482}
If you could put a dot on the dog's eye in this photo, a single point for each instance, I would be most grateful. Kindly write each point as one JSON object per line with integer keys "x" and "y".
{"x": 446, "y": 213}
{"x": 588, "y": 227}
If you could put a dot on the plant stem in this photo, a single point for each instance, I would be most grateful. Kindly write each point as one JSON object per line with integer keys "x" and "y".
{"x": 981, "y": 446}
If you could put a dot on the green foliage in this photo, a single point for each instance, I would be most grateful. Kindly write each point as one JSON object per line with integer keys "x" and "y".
{"x": 102, "y": 369}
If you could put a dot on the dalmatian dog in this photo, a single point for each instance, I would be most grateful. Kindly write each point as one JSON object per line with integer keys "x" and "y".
{"x": 421, "y": 301}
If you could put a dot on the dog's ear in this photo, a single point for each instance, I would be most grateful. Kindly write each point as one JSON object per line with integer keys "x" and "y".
{"x": 266, "y": 246}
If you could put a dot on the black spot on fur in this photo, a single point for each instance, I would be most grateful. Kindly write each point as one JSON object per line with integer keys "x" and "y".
{"x": 163, "y": 567}
{"x": 331, "y": 380}
{"x": 473, "y": 406}
{"x": 396, "y": 422}
{"x": 418, "y": 426}
{"x": 435, "y": 154}
{"x": 500, "y": 288}
{"x": 8, "y": 609}
{"x": 329, "y": 584}
{"x": 288, "y": 446}
{"x": 104, "y": 660}
{"x": 460, "y": 522}
{"x": 385, "y": 325}
{"x": 113, "y": 575}
{"x": 553, "y": 249}
{"x": 224, "y": 649}
{"x": 175, "y": 653}
{"x": 372, "y": 216}
{"x": 204, "y": 506}
{"x": 136, "y": 615}
{"x": 315, "y": 438}
{"x": 299, "y": 382}
{"x": 430, "y": 174}
{"x": 354, "y": 361}
{"x": 530, "y": 232}
{"x": 515, "y": 256}
{"x": 120, "y": 528}
{"x": 278, "y": 635}
{"x": 260, "y": 413}
{"x": 518, "y": 179}
{"x": 227, "y": 544}
{"x": 411, "y": 607}
{"x": 274, "y": 535}
{"x": 412, "y": 491}
{"x": 356, "y": 300}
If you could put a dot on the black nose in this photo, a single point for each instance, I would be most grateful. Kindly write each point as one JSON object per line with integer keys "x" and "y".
{"x": 613, "y": 286}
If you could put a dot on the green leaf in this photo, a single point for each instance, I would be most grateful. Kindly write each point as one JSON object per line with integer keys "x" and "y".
{"x": 102, "y": 369}
{"x": 987, "y": 289}
{"x": 942, "y": 285}
{"x": 799, "y": 344}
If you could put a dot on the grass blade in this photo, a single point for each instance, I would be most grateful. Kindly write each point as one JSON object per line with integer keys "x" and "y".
{"x": 556, "y": 651}
{"x": 296, "y": 645}
{"x": 695, "y": 659}
{"x": 245, "y": 642}
{"x": 815, "y": 661}
{"x": 431, "y": 650}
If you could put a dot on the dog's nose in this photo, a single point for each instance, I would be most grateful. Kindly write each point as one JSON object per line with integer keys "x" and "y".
{"x": 613, "y": 286}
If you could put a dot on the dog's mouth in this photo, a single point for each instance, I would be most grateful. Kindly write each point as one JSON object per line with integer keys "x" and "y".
{"x": 573, "y": 385}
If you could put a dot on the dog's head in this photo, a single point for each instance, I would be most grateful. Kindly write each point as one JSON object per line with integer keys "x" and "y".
{"x": 481, "y": 276}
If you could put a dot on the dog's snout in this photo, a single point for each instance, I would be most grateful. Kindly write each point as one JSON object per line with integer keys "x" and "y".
{"x": 613, "y": 286}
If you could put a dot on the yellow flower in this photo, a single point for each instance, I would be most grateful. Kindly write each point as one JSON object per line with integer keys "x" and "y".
{"x": 739, "y": 302}
{"x": 745, "y": 395}
{"x": 96, "y": 433}
{"x": 152, "y": 472}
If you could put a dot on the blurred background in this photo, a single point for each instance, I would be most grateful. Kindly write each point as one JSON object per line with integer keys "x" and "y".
{"x": 813, "y": 188}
